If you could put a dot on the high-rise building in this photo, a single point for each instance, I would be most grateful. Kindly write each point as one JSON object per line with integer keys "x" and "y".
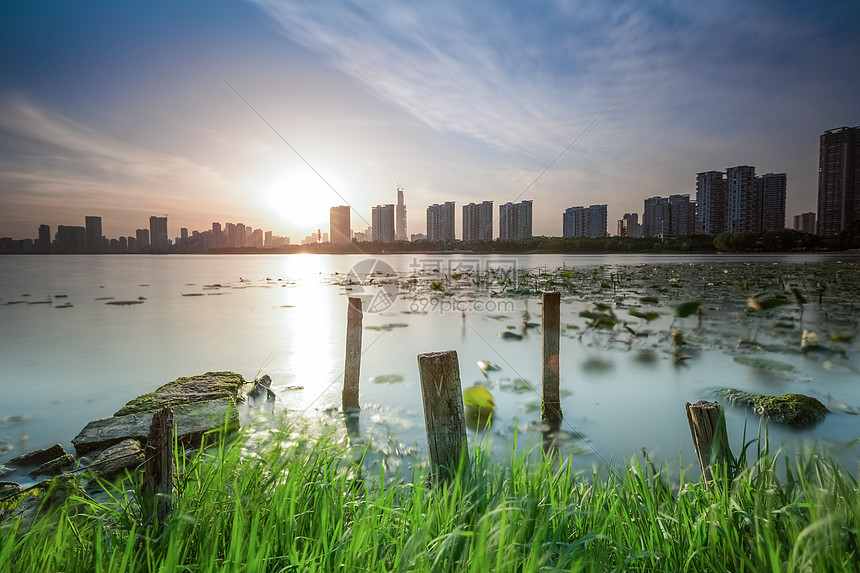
{"x": 70, "y": 239}
{"x": 584, "y": 221}
{"x": 382, "y": 223}
{"x": 240, "y": 235}
{"x": 773, "y": 187}
{"x": 515, "y": 221}
{"x": 44, "y": 239}
{"x": 628, "y": 226}
{"x": 215, "y": 236}
{"x": 711, "y": 203}
{"x": 743, "y": 200}
{"x": 94, "y": 234}
{"x": 440, "y": 222}
{"x": 838, "y": 180}
{"x": 805, "y": 223}
{"x": 573, "y": 222}
{"x": 669, "y": 217}
{"x": 400, "y": 216}
{"x": 478, "y": 221}
{"x": 132, "y": 243}
{"x": 268, "y": 240}
{"x": 158, "y": 233}
{"x": 142, "y": 239}
{"x": 339, "y": 224}
{"x": 596, "y": 221}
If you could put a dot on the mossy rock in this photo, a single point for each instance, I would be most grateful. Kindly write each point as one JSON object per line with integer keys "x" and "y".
{"x": 34, "y": 502}
{"x": 796, "y": 410}
{"x": 187, "y": 390}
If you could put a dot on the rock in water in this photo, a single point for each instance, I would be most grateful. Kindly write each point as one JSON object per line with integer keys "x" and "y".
{"x": 109, "y": 463}
{"x": 791, "y": 409}
{"x": 33, "y": 503}
{"x": 55, "y": 467}
{"x": 39, "y": 457}
{"x": 192, "y": 421}
{"x": 187, "y": 390}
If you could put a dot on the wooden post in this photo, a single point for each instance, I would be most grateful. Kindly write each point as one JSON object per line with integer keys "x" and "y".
{"x": 444, "y": 416}
{"x": 158, "y": 471}
{"x": 709, "y": 435}
{"x": 352, "y": 363}
{"x": 551, "y": 317}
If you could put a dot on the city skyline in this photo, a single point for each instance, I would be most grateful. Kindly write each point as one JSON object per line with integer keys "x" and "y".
{"x": 125, "y": 110}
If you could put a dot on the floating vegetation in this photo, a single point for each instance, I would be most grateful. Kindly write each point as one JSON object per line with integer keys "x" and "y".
{"x": 105, "y": 298}
{"x": 764, "y": 364}
{"x": 647, "y": 316}
{"x": 791, "y": 409}
{"x": 67, "y": 305}
{"x": 508, "y": 335}
{"x": 387, "y": 327}
{"x": 193, "y": 294}
{"x": 686, "y": 309}
{"x": 387, "y": 379}
{"x": 760, "y": 302}
{"x": 124, "y": 302}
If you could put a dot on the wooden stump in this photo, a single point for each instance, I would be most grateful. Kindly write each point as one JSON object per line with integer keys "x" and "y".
{"x": 157, "y": 490}
{"x": 444, "y": 416}
{"x": 709, "y": 434}
{"x": 352, "y": 363}
{"x": 551, "y": 318}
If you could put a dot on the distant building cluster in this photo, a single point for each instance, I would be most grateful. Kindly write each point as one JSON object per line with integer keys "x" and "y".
{"x": 154, "y": 239}
{"x": 736, "y": 200}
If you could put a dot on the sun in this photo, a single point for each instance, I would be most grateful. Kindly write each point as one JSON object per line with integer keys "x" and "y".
{"x": 300, "y": 197}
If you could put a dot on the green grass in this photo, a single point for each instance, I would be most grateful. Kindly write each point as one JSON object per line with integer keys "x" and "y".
{"x": 305, "y": 507}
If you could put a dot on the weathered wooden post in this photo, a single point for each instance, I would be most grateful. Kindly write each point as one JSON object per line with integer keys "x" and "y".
{"x": 551, "y": 317}
{"x": 444, "y": 416}
{"x": 710, "y": 437}
{"x": 157, "y": 491}
{"x": 352, "y": 363}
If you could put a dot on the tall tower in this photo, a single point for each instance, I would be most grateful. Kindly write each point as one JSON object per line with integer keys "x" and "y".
{"x": 158, "y": 233}
{"x": 94, "y": 234}
{"x": 743, "y": 200}
{"x": 339, "y": 224}
{"x": 711, "y": 201}
{"x": 400, "y": 216}
{"x": 773, "y": 187}
{"x": 838, "y": 179}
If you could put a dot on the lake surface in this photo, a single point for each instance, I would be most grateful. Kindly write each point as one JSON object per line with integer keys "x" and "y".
{"x": 68, "y": 357}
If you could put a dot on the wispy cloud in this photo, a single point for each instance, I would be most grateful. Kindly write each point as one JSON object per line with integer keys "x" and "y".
{"x": 50, "y": 161}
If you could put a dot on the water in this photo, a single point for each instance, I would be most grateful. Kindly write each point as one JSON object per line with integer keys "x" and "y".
{"x": 285, "y": 316}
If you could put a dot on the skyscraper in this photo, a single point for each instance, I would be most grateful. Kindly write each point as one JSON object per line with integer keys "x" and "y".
{"x": 628, "y": 226}
{"x": 215, "y": 238}
{"x": 142, "y": 239}
{"x": 515, "y": 221}
{"x": 773, "y": 187}
{"x": 478, "y": 221}
{"x": 668, "y": 217}
{"x": 838, "y": 179}
{"x": 339, "y": 224}
{"x": 805, "y": 223}
{"x": 94, "y": 234}
{"x": 400, "y": 217}
{"x": 743, "y": 200}
{"x": 382, "y": 223}
{"x": 440, "y": 222}
{"x": 70, "y": 239}
{"x": 711, "y": 202}
{"x": 573, "y": 222}
{"x": 158, "y": 233}
{"x": 44, "y": 239}
{"x": 584, "y": 221}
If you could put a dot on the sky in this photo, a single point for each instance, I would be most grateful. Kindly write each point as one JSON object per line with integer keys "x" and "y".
{"x": 269, "y": 112}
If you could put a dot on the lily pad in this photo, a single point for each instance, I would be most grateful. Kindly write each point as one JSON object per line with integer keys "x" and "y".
{"x": 508, "y": 335}
{"x": 387, "y": 327}
{"x": 478, "y": 397}
{"x": 686, "y": 309}
{"x": 764, "y": 364}
{"x": 387, "y": 379}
